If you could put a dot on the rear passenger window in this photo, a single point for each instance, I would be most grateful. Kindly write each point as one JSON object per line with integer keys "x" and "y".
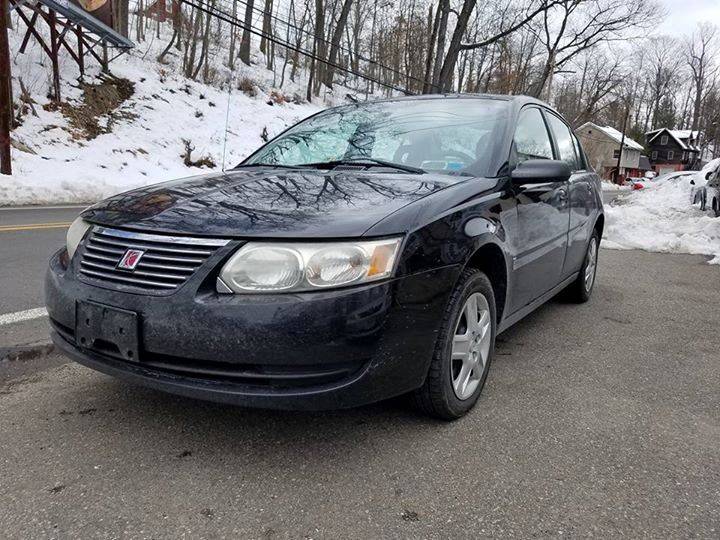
{"x": 565, "y": 141}
{"x": 532, "y": 140}
{"x": 579, "y": 153}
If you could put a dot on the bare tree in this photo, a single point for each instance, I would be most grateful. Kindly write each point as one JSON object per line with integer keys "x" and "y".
{"x": 246, "y": 37}
{"x": 665, "y": 62}
{"x": 205, "y": 47}
{"x": 319, "y": 45}
{"x": 121, "y": 16}
{"x": 335, "y": 42}
{"x": 574, "y": 26}
{"x": 700, "y": 52}
{"x": 233, "y": 37}
{"x": 508, "y": 25}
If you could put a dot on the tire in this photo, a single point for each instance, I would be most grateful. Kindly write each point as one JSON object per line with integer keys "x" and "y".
{"x": 580, "y": 290}
{"x": 702, "y": 203}
{"x": 716, "y": 207}
{"x": 443, "y": 394}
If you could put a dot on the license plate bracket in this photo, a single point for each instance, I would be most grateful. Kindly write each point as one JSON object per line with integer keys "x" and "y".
{"x": 107, "y": 330}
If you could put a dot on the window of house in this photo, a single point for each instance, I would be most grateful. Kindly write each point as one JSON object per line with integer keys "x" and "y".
{"x": 671, "y": 154}
{"x": 654, "y": 156}
{"x": 616, "y": 154}
{"x": 564, "y": 139}
{"x": 532, "y": 140}
{"x": 664, "y": 140}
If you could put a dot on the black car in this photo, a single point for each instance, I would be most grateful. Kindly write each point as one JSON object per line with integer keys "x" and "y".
{"x": 370, "y": 251}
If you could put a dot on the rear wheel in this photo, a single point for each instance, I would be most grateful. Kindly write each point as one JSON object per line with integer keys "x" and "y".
{"x": 464, "y": 350}
{"x": 581, "y": 289}
{"x": 716, "y": 207}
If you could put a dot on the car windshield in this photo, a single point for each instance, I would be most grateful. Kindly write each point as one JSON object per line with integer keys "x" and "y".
{"x": 451, "y": 136}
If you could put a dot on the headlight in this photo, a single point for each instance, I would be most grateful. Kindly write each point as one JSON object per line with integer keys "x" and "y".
{"x": 292, "y": 267}
{"x": 75, "y": 234}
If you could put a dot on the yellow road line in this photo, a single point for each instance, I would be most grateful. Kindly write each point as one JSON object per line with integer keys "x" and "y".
{"x": 33, "y": 226}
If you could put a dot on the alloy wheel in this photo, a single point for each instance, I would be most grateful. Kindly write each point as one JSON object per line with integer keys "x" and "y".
{"x": 591, "y": 265}
{"x": 471, "y": 346}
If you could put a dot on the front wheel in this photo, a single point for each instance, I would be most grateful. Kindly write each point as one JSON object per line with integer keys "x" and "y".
{"x": 463, "y": 351}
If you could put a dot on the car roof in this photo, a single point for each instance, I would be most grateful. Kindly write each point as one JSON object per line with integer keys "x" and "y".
{"x": 516, "y": 101}
{"x": 455, "y": 95}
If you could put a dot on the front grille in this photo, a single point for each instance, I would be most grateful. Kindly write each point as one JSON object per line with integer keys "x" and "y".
{"x": 167, "y": 261}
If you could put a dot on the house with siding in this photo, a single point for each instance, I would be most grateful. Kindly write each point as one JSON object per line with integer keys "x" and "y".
{"x": 673, "y": 150}
{"x": 602, "y": 146}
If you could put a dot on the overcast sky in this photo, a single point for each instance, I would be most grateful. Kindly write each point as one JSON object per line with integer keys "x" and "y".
{"x": 683, "y": 15}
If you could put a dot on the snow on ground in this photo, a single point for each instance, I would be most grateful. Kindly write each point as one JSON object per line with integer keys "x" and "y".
{"x": 662, "y": 219}
{"x": 609, "y": 186}
{"x": 146, "y": 140}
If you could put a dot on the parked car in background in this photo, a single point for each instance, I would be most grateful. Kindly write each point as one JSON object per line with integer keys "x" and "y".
{"x": 372, "y": 250}
{"x": 699, "y": 192}
{"x": 636, "y": 183}
{"x": 674, "y": 176}
{"x": 712, "y": 193}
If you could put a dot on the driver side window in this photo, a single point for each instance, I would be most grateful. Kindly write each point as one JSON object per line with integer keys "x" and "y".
{"x": 532, "y": 140}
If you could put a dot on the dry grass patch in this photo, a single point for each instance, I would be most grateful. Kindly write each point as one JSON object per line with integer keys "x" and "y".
{"x": 101, "y": 101}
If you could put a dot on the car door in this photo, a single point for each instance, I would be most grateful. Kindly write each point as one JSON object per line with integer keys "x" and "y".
{"x": 542, "y": 215}
{"x": 582, "y": 203}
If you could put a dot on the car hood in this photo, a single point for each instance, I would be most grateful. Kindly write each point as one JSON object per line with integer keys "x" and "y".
{"x": 268, "y": 203}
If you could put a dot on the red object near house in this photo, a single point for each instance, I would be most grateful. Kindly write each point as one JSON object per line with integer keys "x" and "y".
{"x": 158, "y": 10}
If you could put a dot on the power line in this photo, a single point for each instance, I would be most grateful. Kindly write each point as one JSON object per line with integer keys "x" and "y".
{"x": 235, "y": 22}
{"x": 347, "y": 51}
{"x": 339, "y": 47}
{"x": 221, "y": 15}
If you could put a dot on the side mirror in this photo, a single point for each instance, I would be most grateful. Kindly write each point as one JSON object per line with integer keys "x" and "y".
{"x": 541, "y": 171}
{"x": 708, "y": 175}
{"x": 692, "y": 182}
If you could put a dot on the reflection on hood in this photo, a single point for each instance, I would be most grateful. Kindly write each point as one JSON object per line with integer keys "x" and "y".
{"x": 268, "y": 202}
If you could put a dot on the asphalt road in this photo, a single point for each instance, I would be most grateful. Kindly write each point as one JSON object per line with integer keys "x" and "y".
{"x": 601, "y": 419}
{"x": 28, "y": 236}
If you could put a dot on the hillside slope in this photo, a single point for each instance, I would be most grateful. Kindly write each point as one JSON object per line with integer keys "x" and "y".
{"x": 110, "y": 135}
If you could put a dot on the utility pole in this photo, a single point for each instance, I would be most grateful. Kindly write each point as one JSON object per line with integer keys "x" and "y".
{"x": 622, "y": 144}
{"x": 5, "y": 91}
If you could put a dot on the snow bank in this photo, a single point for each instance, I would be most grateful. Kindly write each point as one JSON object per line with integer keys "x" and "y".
{"x": 146, "y": 141}
{"x": 661, "y": 219}
{"x": 608, "y": 186}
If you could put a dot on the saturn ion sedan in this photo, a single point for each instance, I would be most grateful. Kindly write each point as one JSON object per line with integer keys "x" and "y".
{"x": 370, "y": 251}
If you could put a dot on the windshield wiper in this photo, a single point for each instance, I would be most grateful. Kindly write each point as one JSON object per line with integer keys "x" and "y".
{"x": 368, "y": 162}
{"x": 273, "y": 165}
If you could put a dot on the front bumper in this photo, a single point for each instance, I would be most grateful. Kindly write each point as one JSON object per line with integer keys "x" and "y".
{"x": 320, "y": 350}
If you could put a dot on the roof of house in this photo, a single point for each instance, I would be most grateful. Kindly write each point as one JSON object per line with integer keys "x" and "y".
{"x": 682, "y": 137}
{"x": 614, "y": 134}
